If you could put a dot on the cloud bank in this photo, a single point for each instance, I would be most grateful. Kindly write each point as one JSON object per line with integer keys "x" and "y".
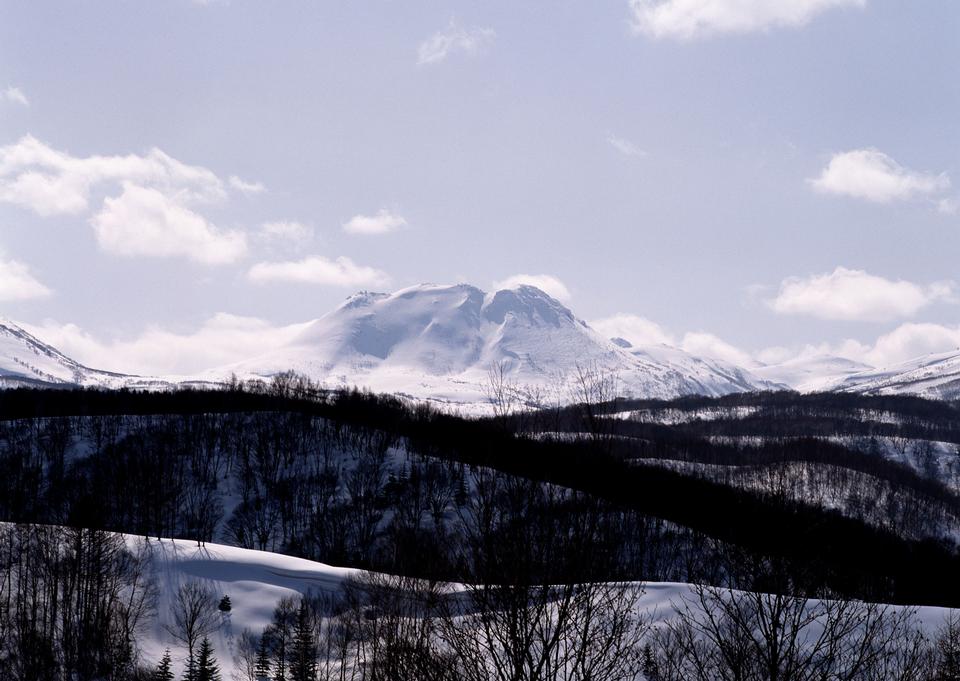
{"x": 221, "y": 340}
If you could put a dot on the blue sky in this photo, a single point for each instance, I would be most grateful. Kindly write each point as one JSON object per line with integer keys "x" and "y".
{"x": 750, "y": 179}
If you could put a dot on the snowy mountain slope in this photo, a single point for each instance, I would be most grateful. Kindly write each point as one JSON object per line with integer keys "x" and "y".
{"x": 439, "y": 342}
{"x": 811, "y": 374}
{"x": 26, "y": 360}
{"x": 936, "y": 376}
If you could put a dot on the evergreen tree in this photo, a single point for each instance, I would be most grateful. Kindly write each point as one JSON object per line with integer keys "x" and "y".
{"x": 303, "y": 663}
{"x": 262, "y": 669}
{"x": 225, "y": 605}
{"x": 164, "y": 672}
{"x": 206, "y": 667}
{"x": 651, "y": 671}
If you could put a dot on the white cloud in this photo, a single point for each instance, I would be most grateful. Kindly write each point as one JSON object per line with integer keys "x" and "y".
{"x": 625, "y": 147}
{"x": 245, "y": 187}
{"x": 545, "y": 282}
{"x": 15, "y": 95}
{"x": 912, "y": 340}
{"x": 633, "y": 328}
{"x": 146, "y": 222}
{"x": 854, "y": 295}
{"x": 453, "y": 38}
{"x": 222, "y": 340}
{"x": 17, "y": 283}
{"x": 872, "y": 175}
{"x": 154, "y": 213}
{"x": 381, "y": 223}
{"x": 703, "y": 344}
{"x": 289, "y": 231}
{"x": 641, "y": 332}
{"x": 318, "y": 270}
{"x": 51, "y": 182}
{"x": 905, "y": 342}
{"x": 688, "y": 19}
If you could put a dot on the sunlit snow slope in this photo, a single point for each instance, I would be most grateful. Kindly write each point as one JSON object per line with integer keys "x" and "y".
{"x": 440, "y": 342}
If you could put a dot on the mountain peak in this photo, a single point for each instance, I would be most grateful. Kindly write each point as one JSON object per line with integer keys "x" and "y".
{"x": 527, "y": 303}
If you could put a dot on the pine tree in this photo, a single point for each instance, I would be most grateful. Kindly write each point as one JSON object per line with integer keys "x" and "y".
{"x": 262, "y": 669}
{"x": 225, "y": 605}
{"x": 207, "y": 669}
{"x": 164, "y": 672}
{"x": 303, "y": 665}
{"x": 651, "y": 671}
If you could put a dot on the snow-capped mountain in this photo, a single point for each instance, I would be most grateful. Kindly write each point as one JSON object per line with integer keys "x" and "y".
{"x": 439, "y": 342}
{"x": 26, "y": 360}
{"x": 936, "y": 376}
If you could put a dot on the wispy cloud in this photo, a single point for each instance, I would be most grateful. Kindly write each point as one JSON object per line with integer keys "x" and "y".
{"x": 634, "y": 329}
{"x": 14, "y": 95}
{"x": 689, "y": 19}
{"x": 288, "y": 231}
{"x": 318, "y": 270}
{"x": 625, "y": 147}
{"x": 453, "y": 39}
{"x": 245, "y": 187}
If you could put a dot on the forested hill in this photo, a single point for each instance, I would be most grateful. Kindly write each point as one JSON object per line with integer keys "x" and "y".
{"x": 864, "y": 507}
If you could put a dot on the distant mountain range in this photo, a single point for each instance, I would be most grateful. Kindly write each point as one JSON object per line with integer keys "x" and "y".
{"x": 440, "y": 343}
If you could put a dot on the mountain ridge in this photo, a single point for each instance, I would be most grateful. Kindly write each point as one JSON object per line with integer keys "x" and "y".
{"x": 439, "y": 342}
{"x": 413, "y": 339}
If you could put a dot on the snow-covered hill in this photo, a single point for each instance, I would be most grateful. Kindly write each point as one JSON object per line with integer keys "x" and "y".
{"x": 440, "y": 342}
{"x": 812, "y": 374}
{"x": 936, "y": 376}
{"x": 257, "y": 580}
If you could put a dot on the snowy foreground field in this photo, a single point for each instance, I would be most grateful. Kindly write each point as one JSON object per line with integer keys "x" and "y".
{"x": 256, "y": 580}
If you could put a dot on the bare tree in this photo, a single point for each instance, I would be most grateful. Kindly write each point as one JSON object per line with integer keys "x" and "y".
{"x": 245, "y": 657}
{"x": 194, "y": 613}
{"x": 533, "y": 608}
{"x": 752, "y": 636}
{"x": 591, "y": 389}
{"x": 394, "y": 621}
{"x": 947, "y": 649}
{"x": 502, "y": 393}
